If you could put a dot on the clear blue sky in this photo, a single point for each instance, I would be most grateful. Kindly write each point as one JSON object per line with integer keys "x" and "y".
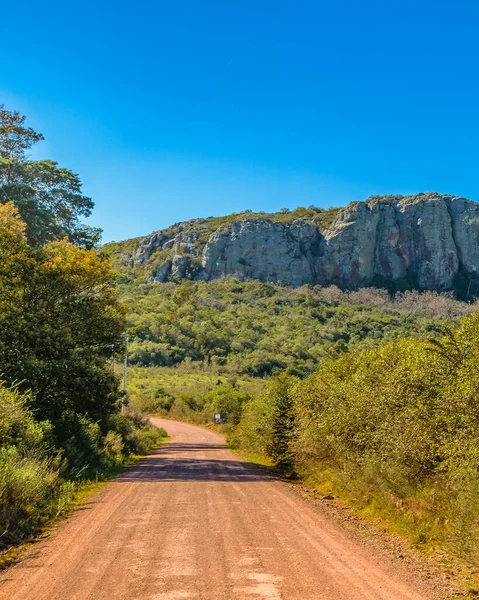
{"x": 172, "y": 109}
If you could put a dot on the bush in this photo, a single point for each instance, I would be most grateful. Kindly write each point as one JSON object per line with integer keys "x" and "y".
{"x": 135, "y": 433}
{"x": 29, "y": 475}
{"x": 225, "y": 400}
{"x": 267, "y": 423}
{"x": 113, "y": 446}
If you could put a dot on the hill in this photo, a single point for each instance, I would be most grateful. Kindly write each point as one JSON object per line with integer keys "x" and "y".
{"x": 425, "y": 242}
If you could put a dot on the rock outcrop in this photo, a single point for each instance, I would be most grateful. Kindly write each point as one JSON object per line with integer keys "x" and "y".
{"x": 410, "y": 239}
{"x": 422, "y": 241}
{"x": 264, "y": 250}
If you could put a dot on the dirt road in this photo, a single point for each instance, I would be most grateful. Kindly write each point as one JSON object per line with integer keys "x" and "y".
{"x": 192, "y": 521}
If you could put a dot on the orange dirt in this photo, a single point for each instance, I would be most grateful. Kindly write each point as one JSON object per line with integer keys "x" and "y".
{"x": 192, "y": 521}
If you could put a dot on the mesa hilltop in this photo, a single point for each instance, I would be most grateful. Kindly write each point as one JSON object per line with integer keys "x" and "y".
{"x": 426, "y": 241}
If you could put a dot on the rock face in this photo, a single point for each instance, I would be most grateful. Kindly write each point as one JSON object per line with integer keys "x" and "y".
{"x": 261, "y": 249}
{"x": 411, "y": 239}
{"x": 422, "y": 241}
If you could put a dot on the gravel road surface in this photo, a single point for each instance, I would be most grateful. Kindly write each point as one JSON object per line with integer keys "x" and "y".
{"x": 192, "y": 521}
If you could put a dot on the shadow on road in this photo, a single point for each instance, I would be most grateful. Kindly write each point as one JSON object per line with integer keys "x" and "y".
{"x": 165, "y": 466}
{"x": 174, "y": 448}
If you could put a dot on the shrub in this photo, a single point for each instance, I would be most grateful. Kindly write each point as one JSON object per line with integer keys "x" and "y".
{"x": 267, "y": 424}
{"x": 113, "y": 446}
{"x": 33, "y": 484}
{"x": 136, "y": 433}
{"x": 226, "y": 400}
{"x": 29, "y": 475}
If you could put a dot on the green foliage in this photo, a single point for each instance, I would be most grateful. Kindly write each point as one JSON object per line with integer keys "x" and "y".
{"x": 47, "y": 196}
{"x": 190, "y": 391}
{"x": 135, "y": 433}
{"x": 29, "y": 475}
{"x": 59, "y": 318}
{"x": 226, "y": 400}
{"x": 268, "y": 420}
{"x": 27, "y": 485}
{"x": 394, "y": 429}
{"x": 260, "y": 329}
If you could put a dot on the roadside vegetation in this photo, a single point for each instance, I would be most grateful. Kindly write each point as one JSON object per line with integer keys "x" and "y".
{"x": 393, "y": 431}
{"x": 60, "y": 318}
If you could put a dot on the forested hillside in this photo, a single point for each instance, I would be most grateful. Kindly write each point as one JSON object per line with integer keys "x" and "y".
{"x": 368, "y": 396}
{"x": 189, "y": 340}
{"x": 261, "y": 329}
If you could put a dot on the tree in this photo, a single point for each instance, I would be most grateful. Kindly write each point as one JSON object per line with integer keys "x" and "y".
{"x": 48, "y": 197}
{"x": 59, "y": 318}
{"x": 283, "y": 420}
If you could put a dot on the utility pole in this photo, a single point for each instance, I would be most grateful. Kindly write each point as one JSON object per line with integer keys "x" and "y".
{"x": 125, "y": 366}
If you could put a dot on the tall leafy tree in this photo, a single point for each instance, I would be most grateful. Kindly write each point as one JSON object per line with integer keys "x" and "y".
{"x": 48, "y": 197}
{"x": 59, "y": 319}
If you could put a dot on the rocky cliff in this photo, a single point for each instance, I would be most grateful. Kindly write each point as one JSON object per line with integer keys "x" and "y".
{"x": 425, "y": 241}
